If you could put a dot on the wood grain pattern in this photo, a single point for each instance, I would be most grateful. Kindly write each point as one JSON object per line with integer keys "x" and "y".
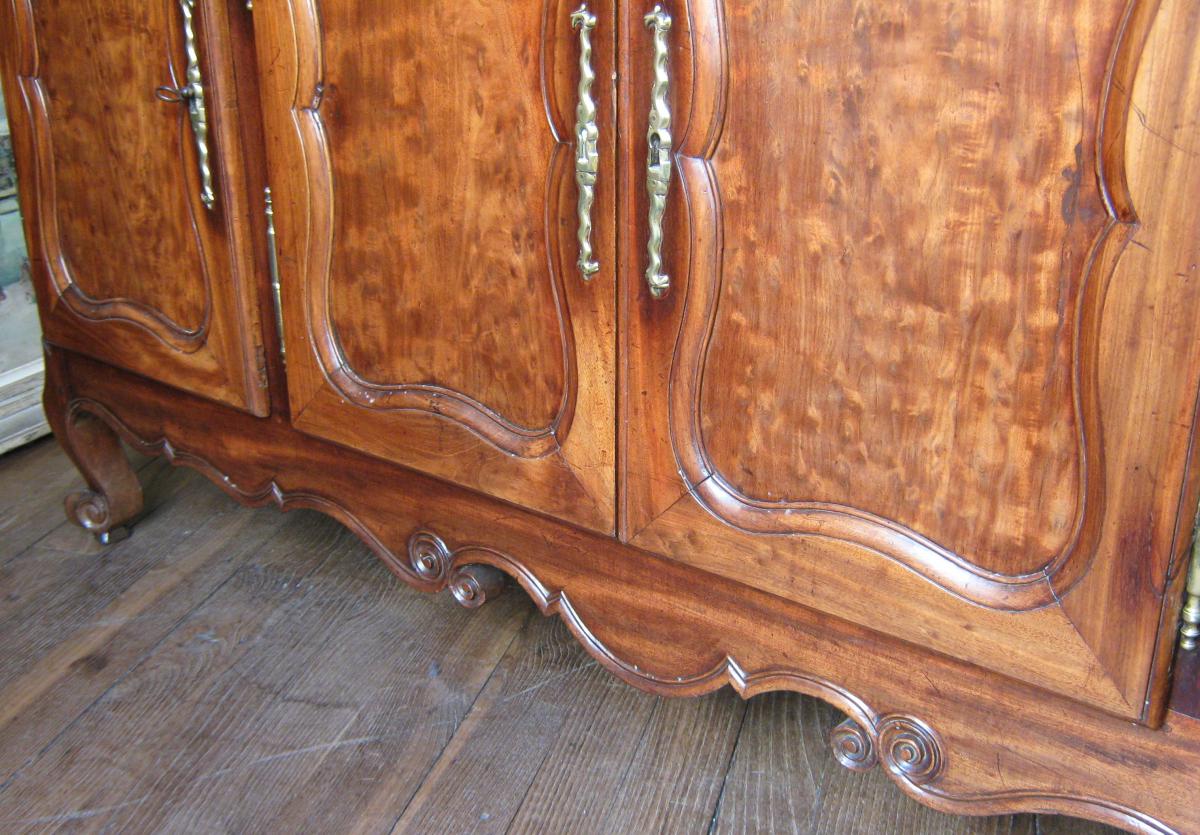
{"x": 233, "y": 703}
{"x": 132, "y": 267}
{"x": 834, "y": 458}
{"x": 927, "y": 369}
{"x": 434, "y": 281}
{"x": 761, "y": 362}
{"x": 1148, "y": 343}
{"x": 78, "y": 620}
{"x": 673, "y": 630}
{"x": 427, "y": 241}
{"x": 145, "y": 224}
{"x": 913, "y": 433}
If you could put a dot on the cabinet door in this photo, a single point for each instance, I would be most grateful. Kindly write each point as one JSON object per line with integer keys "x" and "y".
{"x": 928, "y": 359}
{"x": 422, "y": 161}
{"x": 134, "y": 267}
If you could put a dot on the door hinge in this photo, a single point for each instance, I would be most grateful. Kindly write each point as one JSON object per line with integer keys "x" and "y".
{"x": 1189, "y": 632}
{"x": 273, "y": 264}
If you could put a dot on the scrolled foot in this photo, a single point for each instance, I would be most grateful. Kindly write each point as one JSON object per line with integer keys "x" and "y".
{"x": 114, "y": 495}
{"x": 91, "y": 511}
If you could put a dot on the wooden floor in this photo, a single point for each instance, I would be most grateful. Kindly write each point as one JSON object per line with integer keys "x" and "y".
{"x": 233, "y": 670}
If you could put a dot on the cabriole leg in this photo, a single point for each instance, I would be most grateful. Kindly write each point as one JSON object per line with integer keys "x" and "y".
{"x": 114, "y": 495}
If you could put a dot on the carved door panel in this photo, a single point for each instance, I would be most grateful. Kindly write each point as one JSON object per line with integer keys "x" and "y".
{"x": 927, "y": 361}
{"x": 422, "y": 160}
{"x": 139, "y": 234}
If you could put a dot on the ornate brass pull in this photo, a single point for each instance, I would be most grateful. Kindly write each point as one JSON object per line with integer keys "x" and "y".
{"x": 587, "y": 141}
{"x": 658, "y": 159}
{"x": 192, "y": 95}
{"x": 1189, "y": 634}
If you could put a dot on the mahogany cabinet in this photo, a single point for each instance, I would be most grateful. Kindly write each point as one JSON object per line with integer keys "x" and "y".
{"x": 844, "y": 347}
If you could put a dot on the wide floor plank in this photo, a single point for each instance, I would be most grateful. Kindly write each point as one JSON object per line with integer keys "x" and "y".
{"x": 310, "y": 663}
{"x": 484, "y": 774}
{"x": 776, "y": 779}
{"x": 679, "y": 768}
{"x": 75, "y": 623}
{"x": 36, "y": 479}
{"x": 577, "y": 751}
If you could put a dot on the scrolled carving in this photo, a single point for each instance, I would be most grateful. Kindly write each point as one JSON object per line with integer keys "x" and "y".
{"x": 113, "y": 496}
{"x": 853, "y": 747}
{"x": 90, "y": 510}
{"x": 429, "y": 556}
{"x": 474, "y": 585}
{"x": 910, "y": 749}
{"x": 432, "y": 560}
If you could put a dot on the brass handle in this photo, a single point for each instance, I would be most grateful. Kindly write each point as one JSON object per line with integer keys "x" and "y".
{"x": 273, "y": 269}
{"x": 658, "y": 159}
{"x": 1190, "y": 631}
{"x": 587, "y": 141}
{"x": 192, "y": 95}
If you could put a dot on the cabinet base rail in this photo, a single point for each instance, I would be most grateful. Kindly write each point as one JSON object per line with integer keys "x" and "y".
{"x": 951, "y": 735}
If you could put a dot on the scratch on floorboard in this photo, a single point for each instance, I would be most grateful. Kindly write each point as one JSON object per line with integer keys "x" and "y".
{"x": 77, "y": 814}
{"x": 295, "y": 752}
{"x": 550, "y": 680}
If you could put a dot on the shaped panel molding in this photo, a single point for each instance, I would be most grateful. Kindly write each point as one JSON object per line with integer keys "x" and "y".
{"x": 1011, "y": 533}
{"x": 148, "y": 226}
{"x": 423, "y": 292}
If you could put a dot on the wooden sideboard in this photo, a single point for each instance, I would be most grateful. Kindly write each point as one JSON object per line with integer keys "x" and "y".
{"x": 841, "y": 347}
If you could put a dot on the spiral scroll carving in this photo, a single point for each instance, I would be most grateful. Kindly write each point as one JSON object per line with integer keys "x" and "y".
{"x": 474, "y": 585}
{"x": 432, "y": 561}
{"x": 910, "y": 749}
{"x": 853, "y": 746}
{"x": 466, "y": 591}
{"x": 429, "y": 556}
{"x": 90, "y": 510}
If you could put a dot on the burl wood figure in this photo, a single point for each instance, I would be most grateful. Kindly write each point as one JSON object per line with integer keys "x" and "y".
{"x": 840, "y": 346}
